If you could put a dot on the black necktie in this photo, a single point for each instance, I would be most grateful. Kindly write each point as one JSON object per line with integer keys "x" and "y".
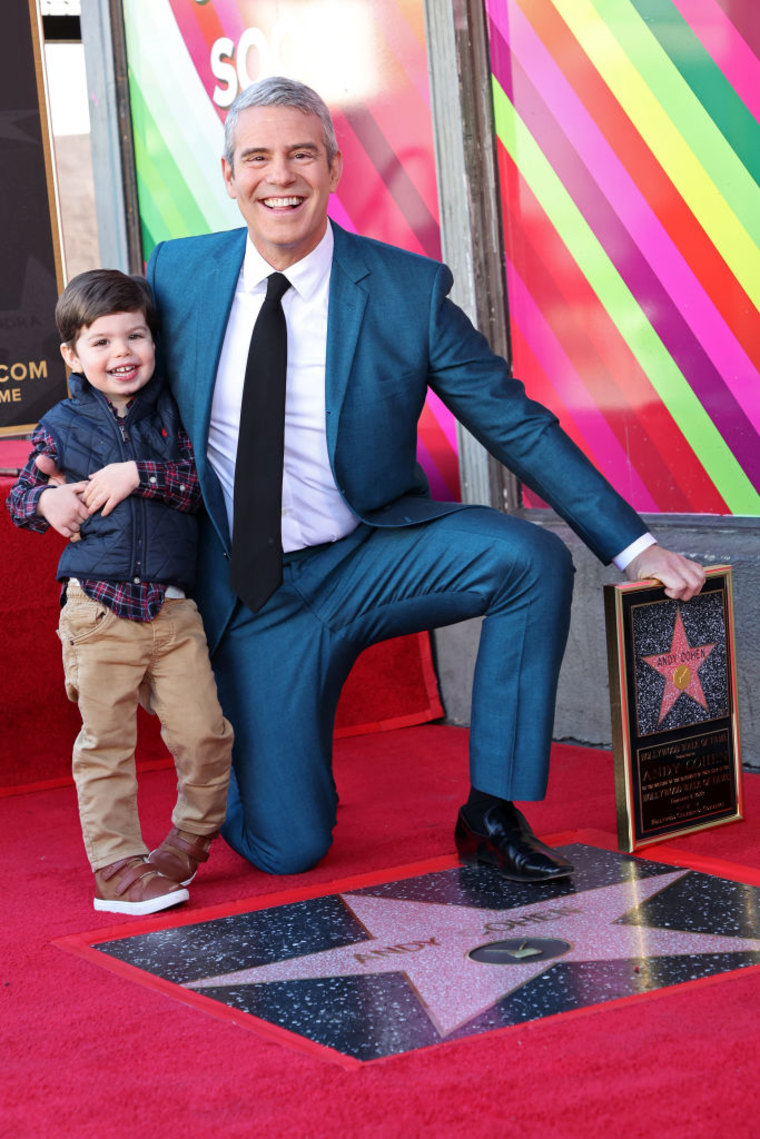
{"x": 256, "y": 569}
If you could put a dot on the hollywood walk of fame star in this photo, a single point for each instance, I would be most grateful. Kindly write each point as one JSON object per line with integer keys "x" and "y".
{"x": 680, "y": 666}
{"x": 430, "y": 944}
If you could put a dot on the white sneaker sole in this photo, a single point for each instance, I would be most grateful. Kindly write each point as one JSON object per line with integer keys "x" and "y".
{"x": 137, "y": 909}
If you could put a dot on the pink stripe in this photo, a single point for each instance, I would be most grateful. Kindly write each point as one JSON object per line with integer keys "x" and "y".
{"x": 646, "y": 230}
{"x": 589, "y": 422}
{"x": 728, "y": 49}
{"x": 438, "y": 486}
{"x": 197, "y": 44}
{"x": 444, "y": 419}
{"x": 338, "y": 213}
{"x": 408, "y": 50}
{"x": 197, "y": 47}
{"x": 232, "y": 18}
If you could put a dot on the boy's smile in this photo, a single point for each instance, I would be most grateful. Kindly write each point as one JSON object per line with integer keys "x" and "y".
{"x": 115, "y": 353}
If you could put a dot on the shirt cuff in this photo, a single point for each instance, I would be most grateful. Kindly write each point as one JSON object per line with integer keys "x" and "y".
{"x": 151, "y": 485}
{"x": 626, "y": 556}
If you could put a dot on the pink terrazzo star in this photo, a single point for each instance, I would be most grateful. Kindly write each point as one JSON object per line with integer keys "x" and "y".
{"x": 430, "y": 943}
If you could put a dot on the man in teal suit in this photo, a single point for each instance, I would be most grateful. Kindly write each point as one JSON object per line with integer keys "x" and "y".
{"x": 367, "y": 553}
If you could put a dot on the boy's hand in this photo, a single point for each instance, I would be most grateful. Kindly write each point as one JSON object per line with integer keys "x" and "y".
{"x": 109, "y": 486}
{"x": 681, "y": 577}
{"x": 63, "y": 509}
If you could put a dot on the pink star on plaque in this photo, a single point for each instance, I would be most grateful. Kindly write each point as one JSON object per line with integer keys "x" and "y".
{"x": 680, "y": 666}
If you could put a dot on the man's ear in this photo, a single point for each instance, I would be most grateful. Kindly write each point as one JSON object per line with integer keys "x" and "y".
{"x": 336, "y": 169}
{"x": 229, "y": 178}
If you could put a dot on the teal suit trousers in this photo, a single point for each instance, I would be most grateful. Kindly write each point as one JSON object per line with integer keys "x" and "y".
{"x": 280, "y": 671}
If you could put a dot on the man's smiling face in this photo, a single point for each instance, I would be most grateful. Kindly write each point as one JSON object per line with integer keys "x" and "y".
{"x": 281, "y": 181}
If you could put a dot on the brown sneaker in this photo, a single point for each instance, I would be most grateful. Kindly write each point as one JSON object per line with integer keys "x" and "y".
{"x": 180, "y": 855}
{"x": 131, "y": 886}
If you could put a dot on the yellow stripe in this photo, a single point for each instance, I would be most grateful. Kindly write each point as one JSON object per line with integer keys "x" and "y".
{"x": 623, "y": 309}
{"x": 664, "y": 140}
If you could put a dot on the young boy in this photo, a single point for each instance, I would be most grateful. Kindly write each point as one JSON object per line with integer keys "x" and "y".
{"x": 129, "y": 633}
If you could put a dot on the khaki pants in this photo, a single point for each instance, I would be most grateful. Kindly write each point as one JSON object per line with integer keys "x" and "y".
{"x": 111, "y": 664}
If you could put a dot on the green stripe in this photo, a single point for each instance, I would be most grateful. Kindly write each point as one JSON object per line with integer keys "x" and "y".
{"x": 639, "y": 42}
{"x": 668, "y": 146}
{"x": 623, "y": 309}
{"x": 733, "y": 119}
{"x": 152, "y": 221}
{"x": 149, "y": 242}
{"x": 186, "y": 120}
{"x": 166, "y": 201}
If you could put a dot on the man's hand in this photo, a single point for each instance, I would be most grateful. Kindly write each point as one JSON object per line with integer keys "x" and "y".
{"x": 681, "y": 577}
{"x": 47, "y": 466}
{"x": 109, "y": 486}
{"x": 63, "y": 509}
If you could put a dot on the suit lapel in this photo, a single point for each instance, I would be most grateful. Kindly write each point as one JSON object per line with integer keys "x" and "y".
{"x": 348, "y": 300}
{"x": 213, "y": 310}
{"x": 219, "y": 283}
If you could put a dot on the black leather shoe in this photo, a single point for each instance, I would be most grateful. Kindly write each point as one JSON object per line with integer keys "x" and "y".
{"x": 508, "y": 844}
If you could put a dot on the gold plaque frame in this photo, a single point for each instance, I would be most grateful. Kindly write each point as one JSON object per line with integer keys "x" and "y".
{"x": 675, "y": 718}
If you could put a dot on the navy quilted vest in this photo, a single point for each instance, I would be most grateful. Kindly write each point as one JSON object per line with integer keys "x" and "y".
{"x": 142, "y": 539}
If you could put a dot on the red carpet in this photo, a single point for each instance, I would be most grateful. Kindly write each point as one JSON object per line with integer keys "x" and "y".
{"x": 87, "y": 1053}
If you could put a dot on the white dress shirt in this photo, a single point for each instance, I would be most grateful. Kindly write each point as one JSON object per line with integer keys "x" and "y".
{"x": 313, "y": 510}
{"x": 626, "y": 556}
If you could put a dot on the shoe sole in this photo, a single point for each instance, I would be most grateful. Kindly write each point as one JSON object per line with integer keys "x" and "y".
{"x": 138, "y": 909}
{"x": 561, "y": 872}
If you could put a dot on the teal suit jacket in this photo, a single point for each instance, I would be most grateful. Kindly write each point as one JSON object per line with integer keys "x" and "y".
{"x": 392, "y": 333}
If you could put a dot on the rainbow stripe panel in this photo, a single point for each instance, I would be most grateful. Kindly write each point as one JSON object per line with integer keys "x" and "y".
{"x": 629, "y": 156}
{"x": 367, "y": 58}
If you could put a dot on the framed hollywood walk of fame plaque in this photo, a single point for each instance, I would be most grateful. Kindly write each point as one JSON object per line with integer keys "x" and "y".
{"x": 675, "y": 724}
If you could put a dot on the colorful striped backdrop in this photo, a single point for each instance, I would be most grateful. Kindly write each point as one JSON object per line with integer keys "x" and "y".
{"x": 367, "y": 58}
{"x": 629, "y": 152}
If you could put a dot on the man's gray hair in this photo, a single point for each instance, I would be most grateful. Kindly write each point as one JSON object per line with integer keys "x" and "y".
{"x": 277, "y": 91}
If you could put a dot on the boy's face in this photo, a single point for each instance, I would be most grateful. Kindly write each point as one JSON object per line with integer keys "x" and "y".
{"x": 116, "y": 353}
